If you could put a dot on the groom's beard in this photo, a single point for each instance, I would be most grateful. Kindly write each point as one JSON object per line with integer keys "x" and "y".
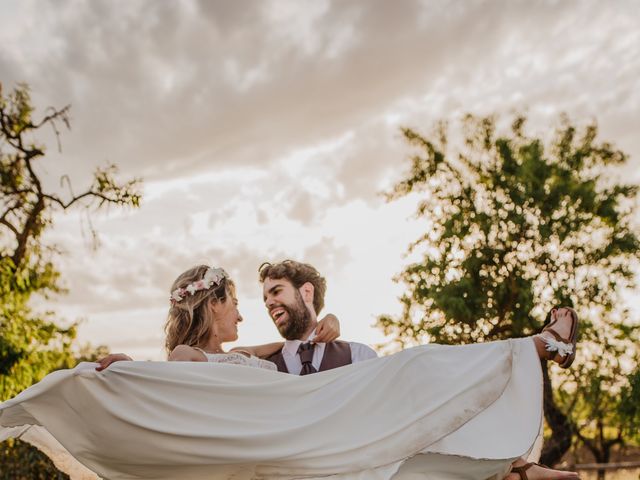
{"x": 298, "y": 321}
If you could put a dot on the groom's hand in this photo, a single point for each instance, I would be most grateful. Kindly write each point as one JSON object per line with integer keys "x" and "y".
{"x": 109, "y": 359}
{"x": 328, "y": 329}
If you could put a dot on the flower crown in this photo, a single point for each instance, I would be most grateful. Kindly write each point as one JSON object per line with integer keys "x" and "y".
{"x": 212, "y": 278}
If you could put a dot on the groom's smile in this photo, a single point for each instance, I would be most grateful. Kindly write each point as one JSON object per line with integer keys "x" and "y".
{"x": 278, "y": 315}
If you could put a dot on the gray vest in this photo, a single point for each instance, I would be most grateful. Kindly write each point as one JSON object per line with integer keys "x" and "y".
{"x": 336, "y": 354}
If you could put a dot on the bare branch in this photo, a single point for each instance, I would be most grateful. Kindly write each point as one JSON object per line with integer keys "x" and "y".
{"x": 6, "y": 223}
{"x": 57, "y": 114}
{"x": 62, "y": 113}
{"x": 15, "y": 206}
{"x": 88, "y": 193}
{"x": 28, "y": 152}
{"x": 19, "y": 191}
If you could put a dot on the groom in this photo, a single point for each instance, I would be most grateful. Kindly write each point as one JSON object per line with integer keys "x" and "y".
{"x": 293, "y": 293}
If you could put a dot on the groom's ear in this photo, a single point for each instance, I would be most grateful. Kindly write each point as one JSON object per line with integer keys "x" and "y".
{"x": 306, "y": 290}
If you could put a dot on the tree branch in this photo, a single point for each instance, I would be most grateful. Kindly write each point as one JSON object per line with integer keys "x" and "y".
{"x": 88, "y": 193}
{"x": 27, "y": 231}
{"x": 53, "y": 116}
{"x": 589, "y": 444}
{"x": 34, "y": 177}
{"x": 6, "y": 223}
{"x": 9, "y": 210}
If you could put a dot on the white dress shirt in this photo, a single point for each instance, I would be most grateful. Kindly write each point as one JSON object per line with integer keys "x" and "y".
{"x": 359, "y": 353}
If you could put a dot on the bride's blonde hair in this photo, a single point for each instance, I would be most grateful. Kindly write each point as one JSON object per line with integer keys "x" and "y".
{"x": 190, "y": 319}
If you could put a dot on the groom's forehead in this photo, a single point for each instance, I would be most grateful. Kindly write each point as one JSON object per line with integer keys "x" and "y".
{"x": 271, "y": 284}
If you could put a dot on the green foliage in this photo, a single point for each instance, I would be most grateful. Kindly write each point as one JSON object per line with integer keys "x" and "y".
{"x": 515, "y": 225}
{"x": 33, "y": 344}
{"x": 21, "y": 461}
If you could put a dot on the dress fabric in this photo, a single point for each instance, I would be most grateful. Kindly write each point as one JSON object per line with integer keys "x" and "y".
{"x": 236, "y": 358}
{"x": 430, "y": 412}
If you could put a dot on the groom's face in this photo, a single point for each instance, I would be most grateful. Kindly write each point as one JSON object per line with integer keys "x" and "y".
{"x": 286, "y": 308}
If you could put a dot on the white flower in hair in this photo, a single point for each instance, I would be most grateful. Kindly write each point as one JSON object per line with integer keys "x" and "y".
{"x": 212, "y": 277}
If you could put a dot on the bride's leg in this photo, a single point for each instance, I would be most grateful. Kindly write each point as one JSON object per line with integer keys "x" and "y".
{"x": 564, "y": 325}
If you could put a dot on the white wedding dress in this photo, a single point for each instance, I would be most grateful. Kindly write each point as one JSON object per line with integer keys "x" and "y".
{"x": 237, "y": 358}
{"x": 431, "y": 412}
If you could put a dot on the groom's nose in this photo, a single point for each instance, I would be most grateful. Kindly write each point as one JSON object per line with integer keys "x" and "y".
{"x": 269, "y": 303}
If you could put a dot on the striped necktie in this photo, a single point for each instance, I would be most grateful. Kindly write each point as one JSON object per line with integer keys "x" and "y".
{"x": 305, "y": 350}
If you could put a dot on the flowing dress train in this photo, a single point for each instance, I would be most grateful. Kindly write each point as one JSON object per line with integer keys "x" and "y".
{"x": 429, "y": 412}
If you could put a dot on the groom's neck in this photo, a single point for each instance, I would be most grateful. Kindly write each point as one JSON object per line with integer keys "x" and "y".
{"x": 312, "y": 326}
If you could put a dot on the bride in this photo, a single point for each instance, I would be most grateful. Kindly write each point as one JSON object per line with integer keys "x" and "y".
{"x": 438, "y": 412}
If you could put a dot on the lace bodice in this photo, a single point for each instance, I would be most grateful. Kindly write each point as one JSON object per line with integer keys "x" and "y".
{"x": 236, "y": 358}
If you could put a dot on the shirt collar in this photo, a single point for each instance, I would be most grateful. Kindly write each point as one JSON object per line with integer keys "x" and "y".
{"x": 291, "y": 346}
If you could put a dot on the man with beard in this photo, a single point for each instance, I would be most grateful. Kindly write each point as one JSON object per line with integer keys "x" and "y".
{"x": 294, "y": 296}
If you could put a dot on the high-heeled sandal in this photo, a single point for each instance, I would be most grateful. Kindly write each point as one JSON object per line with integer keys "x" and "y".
{"x": 566, "y": 347}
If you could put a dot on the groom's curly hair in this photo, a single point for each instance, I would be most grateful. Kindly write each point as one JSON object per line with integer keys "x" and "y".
{"x": 298, "y": 274}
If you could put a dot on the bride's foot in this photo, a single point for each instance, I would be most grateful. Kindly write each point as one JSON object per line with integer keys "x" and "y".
{"x": 532, "y": 471}
{"x": 557, "y": 341}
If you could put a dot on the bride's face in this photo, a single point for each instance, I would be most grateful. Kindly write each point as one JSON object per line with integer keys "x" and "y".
{"x": 226, "y": 318}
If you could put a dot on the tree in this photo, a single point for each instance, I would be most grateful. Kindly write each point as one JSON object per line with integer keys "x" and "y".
{"x": 515, "y": 225}
{"x": 33, "y": 344}
{"x": 630, "y": 405}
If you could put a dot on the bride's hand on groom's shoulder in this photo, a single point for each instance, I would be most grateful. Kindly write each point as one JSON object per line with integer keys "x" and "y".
{"x": 112, "y": 357}
{"x": 328, "y": 329}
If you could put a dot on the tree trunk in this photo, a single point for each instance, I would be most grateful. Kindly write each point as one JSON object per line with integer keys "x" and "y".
{"x": 27, "y": 232}
{"x": 561, "y": 428}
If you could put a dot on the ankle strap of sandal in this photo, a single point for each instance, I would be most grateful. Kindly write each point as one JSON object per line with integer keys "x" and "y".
{"x": 522, "y": 470}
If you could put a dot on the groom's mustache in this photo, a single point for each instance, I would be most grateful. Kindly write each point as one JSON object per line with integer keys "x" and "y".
{"x": 290, "y": 320}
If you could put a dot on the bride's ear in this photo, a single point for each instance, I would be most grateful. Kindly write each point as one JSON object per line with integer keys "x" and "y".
{"x": 213, "y": 305}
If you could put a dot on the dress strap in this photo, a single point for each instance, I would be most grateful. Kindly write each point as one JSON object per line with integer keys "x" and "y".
{"x": 522, "y": 471}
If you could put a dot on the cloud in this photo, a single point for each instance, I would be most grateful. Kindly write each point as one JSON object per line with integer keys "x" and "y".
{"x": 327, "y": 256}
{"x": 191, "y": 86}
{"x": 266, "y": 129}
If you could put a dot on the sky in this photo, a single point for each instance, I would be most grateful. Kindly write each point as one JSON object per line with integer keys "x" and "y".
{"x": 266, "y": 130}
